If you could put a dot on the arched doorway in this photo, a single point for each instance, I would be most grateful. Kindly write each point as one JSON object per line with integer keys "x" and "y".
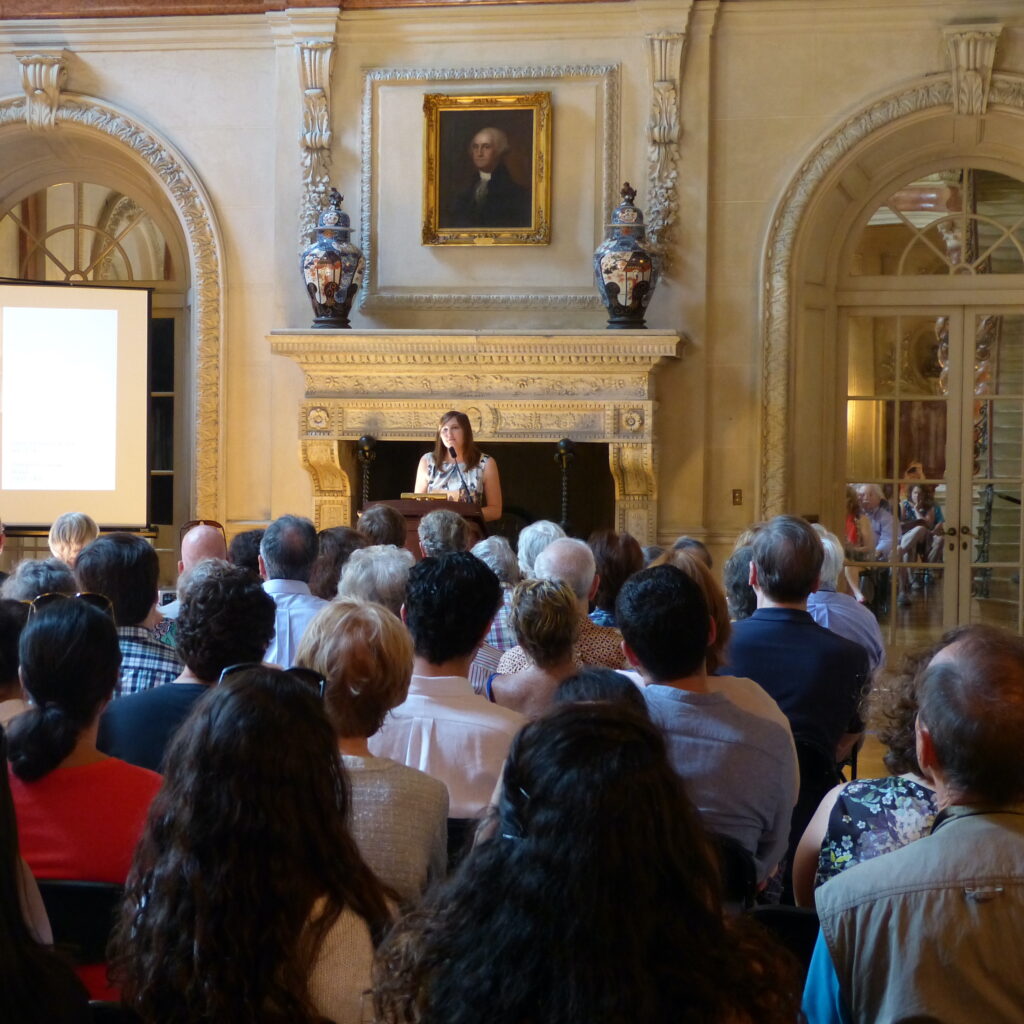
{"x": 822, "y": 307}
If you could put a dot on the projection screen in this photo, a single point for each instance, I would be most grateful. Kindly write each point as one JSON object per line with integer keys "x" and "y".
{"x": 73, "y": 403}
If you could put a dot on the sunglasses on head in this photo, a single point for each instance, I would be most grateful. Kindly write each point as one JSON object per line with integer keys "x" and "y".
{"x": 192, "y": 523}
{"x": 100, "y": 601}
{"x": 308, "y": 676}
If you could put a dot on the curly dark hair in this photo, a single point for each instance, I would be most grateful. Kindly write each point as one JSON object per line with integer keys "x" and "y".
{"x": 594, "y": 900}
{"x": 336, "y": 545}
{"x": 226, "y": 618}
{"x": 247, "y": 834}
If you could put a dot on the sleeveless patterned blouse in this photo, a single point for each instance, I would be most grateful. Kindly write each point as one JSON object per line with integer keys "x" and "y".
{"x": 445, "y": 478}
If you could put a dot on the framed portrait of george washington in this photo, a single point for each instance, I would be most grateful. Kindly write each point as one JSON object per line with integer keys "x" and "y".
{"x": 487, "y": 169}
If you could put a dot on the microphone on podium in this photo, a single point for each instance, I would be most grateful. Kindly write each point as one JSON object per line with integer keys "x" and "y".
{"x": 465, "y": 489}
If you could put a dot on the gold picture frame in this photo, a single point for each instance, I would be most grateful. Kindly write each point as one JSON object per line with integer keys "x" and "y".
{"x": 487, "y": 169}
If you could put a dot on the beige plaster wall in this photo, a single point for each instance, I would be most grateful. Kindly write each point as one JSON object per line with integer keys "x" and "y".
{"x": 763, "y": 81}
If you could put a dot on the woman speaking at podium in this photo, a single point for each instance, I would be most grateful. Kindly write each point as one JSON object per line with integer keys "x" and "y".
{"x": 458, "y": 468}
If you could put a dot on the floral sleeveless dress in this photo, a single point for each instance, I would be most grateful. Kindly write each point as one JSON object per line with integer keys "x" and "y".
{"x": 445, "y": 478}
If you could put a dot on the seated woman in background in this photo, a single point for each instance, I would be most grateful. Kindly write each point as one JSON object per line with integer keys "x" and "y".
{"x": 36, "y": 987}
{"x": 337, "y": 544}
{"x": 398, "y": 814}
{"x": 247, "y": 898}
{"x": 545, "y": 621}
{"x": 868, "y": 817}
{"x": 80, "y": 812}
{"x": 458, "y": 468}
{"x": 595, "y": 900}
{"x": 69, "y": 534}
{"x": 617, "y": 556}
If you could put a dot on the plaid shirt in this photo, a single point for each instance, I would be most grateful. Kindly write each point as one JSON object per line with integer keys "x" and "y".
{"x": 501, "y": 634}
{"x": 596, "y": 645}
{"x": 145, "y": 661}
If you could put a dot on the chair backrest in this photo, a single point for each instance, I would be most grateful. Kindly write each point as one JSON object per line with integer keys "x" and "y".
{"x": 795, "y": 927}
{"x": 81, "y": 916}
{"x": 738, "y": 870}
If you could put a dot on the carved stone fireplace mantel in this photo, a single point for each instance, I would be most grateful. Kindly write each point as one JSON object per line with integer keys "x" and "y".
{"x": 393, "y": 385}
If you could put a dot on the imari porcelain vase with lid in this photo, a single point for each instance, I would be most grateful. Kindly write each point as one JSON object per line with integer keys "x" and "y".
{"x": 332, "y": 267}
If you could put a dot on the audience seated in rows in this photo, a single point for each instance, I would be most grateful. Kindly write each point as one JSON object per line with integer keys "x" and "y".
{"x": 571, "y": 562}
{"x": 443, "y": 728}
{"x": 594, "y": 899}
{"x": 546, "y": 622}
{"x": 79, "y": 812}
{"x": 335, "y": 546}
{"x": 397, "y": 814}
{"x": 739, "y": 768}
{"x": 377, "y": 573}
{"x": 533, "y": 539}
{"x": 69, "y": 533}
{"x": 616, "y": 557}
{"x": 383, "y": 524}
{"x": 13, "y": 615}
{"x": 695, "y": 547}
{"x": 33, "y": 576}
{"x": 226, "y": 619}
{"x": 287, "y": 552}
{"x": 931, "y": 931}
{"x": 496, "y": 553}
{"x": 248, "y": 898}
{"x": 202, "y": 541}
{"x": 125, "y": 568}
{"x": 865, "y": 818}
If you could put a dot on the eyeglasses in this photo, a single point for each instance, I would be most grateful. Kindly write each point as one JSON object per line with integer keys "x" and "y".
{"x": 192, "y": 523}
{"x": 100, "y": 601}
{"x": 308, "y": 676}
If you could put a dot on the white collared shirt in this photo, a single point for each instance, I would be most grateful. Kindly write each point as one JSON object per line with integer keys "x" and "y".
{"x": 444, "y": 729}
{"x": 296, "y": 606}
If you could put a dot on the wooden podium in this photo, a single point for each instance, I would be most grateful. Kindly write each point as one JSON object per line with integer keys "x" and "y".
{"x": 414, "y": 509}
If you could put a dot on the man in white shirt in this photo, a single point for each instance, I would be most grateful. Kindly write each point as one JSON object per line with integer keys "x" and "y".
{"x": 443, "y": 728}
{"x": 287, "y": 553}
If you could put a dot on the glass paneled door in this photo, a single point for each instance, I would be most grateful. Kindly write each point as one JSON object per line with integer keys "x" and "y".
{"x": 935, "y": 467}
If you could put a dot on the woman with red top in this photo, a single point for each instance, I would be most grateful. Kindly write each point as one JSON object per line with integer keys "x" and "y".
{"x": 80, "y": 813}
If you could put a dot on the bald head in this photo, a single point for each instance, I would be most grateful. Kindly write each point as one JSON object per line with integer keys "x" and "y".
{"x": 200, "y": 543}
{"x": 568, "y": 561}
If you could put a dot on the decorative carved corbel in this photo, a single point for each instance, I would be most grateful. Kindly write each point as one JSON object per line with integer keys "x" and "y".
{"x": 316, "y": 62}
{"x": 42, "y": 75}
{"x": 665, "y": 50}
{"x": 972, "y": 51}
{"x": 636, "y": 494}
{"x": 332, "y": 489}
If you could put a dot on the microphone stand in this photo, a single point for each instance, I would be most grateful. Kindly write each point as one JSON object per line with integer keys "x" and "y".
{"x": 465, "y": 488}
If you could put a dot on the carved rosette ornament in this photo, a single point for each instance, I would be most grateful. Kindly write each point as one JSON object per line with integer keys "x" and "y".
{"x": 42, "y": 77}
{"x": 665, "y": 52}
{"x": 972, "y": 52}
{"x": 316, "y": 62}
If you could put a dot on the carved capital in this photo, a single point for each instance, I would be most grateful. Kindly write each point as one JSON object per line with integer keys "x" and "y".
{"x": 42, "y": 76}
{"x": 316, "y": 63}
{"x": 665, "y": 52}
{"x": 972, "y": 52}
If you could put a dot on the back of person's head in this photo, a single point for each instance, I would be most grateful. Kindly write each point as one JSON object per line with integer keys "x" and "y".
{"x": 383, "y": 524}
{"x": 244, "y": 550}
{"x": 787, "y": 555}
{"x": 971, "y": 700}
{"x": 208, "y": 930}
{"x": 289, "y": 548}
{"x": 545, "y": 620}
{"x": 449, "y": 605}
{"x": 533, "y": 539}
{"x": 364, "y": 654}
{"x": 834, "y": 556}
{"x": 226, "y": 618}
{"x": 688, "y": 560}
{"x": 665, "y": 621}
{"x": 589, "y": 806}
{"x": 617, "y": 556}
{"x": 442, "y": 532}
{"x": 378, "y": 573}
{"x": 70, "y": 660}
{"x": 496, "y": 553}
{"x": 739, "y": 594}
{"x": 13, "y": 615}
{"x": 70, "y": 533}
{"x": 336, "y": 547}
{"x": 695, "y": 547}
{"x": 568, "y": 561}
{"x": 32, "y": 577}
{"x": 651, "y": 552}
{"x": 596, "y": 683}
{"x": 125, "y": 568}
{"x": 204, "y": 540}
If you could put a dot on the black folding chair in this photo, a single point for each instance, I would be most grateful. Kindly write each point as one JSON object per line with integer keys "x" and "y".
{"x": 81, "y": 916}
